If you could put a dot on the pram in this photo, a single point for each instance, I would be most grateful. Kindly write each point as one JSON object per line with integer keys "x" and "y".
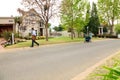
{"x": 87, "y": 39}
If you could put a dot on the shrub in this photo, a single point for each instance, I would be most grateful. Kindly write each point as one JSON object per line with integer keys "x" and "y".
{"x": 107, "y": 36}
{"x": 111, "y": 36}
{"x": 113, "y": 73}
{"x": 27, "y": 37}
{"x": 117, "y": 28}
{"x": 42, "y": 37}
{"x": 16, "y": 35}
{"x": 6, "y": 35}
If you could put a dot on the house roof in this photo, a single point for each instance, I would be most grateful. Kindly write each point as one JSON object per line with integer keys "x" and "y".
{"x": 25, "y": 12}
{"x": 6, "y": 17}
{"x": 7, "y": 20}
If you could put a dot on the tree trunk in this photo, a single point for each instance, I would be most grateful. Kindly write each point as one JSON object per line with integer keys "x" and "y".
{"x": 72, "y": 33}
{"x": 111, "y": 30}
{"x": 78, "y": 34}
{"x": 46, "y": 29}
{"x": 112, "y": 27}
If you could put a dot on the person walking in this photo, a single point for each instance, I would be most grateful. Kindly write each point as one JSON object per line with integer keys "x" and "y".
{"x": 91, "y": 35}
{"x": 33, "y": 33}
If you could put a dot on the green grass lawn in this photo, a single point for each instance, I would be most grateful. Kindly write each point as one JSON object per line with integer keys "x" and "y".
{"x": 56, "y": 40}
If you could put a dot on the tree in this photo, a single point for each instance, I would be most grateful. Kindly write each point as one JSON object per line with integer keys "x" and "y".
{"x": 117, "y": 28}
{"x": 94, "y": 21}
{"x": 55, "y": 28}
{"x": 109, "y": 11}
{"x": 58, "y": 28}
{"x": 45, "y": 8}
{"x": 67, "y": 14}
{"x": 82, "y": 21}
{"x": 72, "y": 14}
{"x": 18, "y": 20}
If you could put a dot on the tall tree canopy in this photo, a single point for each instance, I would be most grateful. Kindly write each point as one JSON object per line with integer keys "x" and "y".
{"x": 109, "y": 12}
{"x": 67, "y": 14}
{"x": 58, "y": 28}
{"x": 94, "y": 23}
{"x": 73, "y": 14}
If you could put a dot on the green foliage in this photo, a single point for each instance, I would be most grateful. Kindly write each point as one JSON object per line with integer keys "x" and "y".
{"x": 109, "y": 11}
{"x": 94, "y": 21}
{"x": 59, "y": 28}
{"x": 43, "y": 42}
{"x": 18, "y": 20}
{"x": 117, "y": 28}
{"x": 49, "y": 24}
{"x": 73, "y": 15}
{"x": 16, "y": 35}
{"x": 113, "y": 73}
{"x": 40, "y": 37}
{"x": 6, "y": 35}
{"x": 79, "y": 25}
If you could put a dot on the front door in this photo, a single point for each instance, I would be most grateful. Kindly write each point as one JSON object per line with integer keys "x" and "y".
{"x": 41, "y": 31}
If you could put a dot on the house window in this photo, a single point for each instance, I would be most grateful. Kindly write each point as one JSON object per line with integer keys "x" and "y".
{"x": 41, "y": 24}
{"x": 23, "y": 28}
{"x": 36, "y": 32}
{"x": 32, "y": 14}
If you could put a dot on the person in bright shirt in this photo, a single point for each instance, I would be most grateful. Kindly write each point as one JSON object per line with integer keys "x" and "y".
{"x": 33, "y": 33}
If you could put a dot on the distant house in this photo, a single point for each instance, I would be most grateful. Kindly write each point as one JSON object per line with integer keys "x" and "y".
{"x": 7, "y": 24}
{"x": 31, "y": 19}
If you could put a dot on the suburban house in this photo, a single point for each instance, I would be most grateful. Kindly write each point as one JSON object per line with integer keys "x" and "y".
{"x": 7, "y": 24}
{"x": 31, "y": 19}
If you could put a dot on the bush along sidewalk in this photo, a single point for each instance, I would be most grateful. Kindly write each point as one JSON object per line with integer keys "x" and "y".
{"x": 109, "y": 70}
{"x": 113, "y": 73}
{"x": 7, "y": 38}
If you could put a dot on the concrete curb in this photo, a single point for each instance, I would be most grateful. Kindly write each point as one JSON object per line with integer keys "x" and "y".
{"x": 84, "y": 74}
{"x": 1, "y": 48}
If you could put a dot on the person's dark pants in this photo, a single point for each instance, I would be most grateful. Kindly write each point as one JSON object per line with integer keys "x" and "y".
{"x": 33, "y": 41}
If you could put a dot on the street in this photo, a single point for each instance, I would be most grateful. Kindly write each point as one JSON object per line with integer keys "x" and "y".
{"x": 54, "y": 62}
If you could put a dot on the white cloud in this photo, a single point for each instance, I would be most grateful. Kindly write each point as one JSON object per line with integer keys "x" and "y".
{"x": 9, "y": 7}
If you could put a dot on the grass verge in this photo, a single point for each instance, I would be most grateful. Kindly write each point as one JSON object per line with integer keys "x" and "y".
{"x": 95, "y": 74}
{"x": 56, "y": 40}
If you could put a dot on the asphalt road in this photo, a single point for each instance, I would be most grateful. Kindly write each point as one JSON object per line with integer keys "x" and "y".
{"x": 54, "y": 62}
